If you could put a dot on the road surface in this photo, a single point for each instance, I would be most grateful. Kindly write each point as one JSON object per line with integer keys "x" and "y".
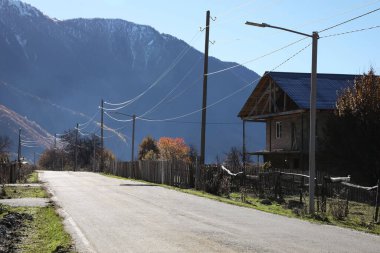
{"x": 112, "y": 215}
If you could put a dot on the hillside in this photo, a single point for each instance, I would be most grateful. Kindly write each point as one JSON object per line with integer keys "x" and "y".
{"x": 56, "y": 71}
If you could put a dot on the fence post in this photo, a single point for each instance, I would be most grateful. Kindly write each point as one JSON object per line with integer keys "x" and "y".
{"x": 323, "y": 195}
{"x": 197, "y": 175}
{"x": 377, "y": 201}
{"x": 347, "y": 196}
{"x": 301, "y": 189}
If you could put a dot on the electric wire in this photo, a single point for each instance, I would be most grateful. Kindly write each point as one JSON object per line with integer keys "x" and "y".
{"x": 353, "y": 8}
{"x": 257, "y": 58}
{"x": 88, "y": 122}
{"x": 150, "y": 87}
{"x": 116, "y": 119}
{"x": 353, "y": 31}
{"x": 185, "y": 90}
{"x": 228, "y": 96}
{"x": 349, "y": 20}
{"x": 152, "y": 109}
{"x": 29, "y": 146}
{"x": 168, "y": 70}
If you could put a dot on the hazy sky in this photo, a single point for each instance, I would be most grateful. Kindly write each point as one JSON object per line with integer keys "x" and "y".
{"x": 353, "y": 53}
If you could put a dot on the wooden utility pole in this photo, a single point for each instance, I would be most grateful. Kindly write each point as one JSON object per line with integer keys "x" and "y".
{"x": 102, "y": 137}
{"x": 54, "y": 150}
{"x": 204, "y": 100}
{"x": 76, "y": 147}
{"x": 19, "y": 147}
{"x": 94, "y": 159}
{"x": 244, "y": 147}
{"x": 133, "y": 138}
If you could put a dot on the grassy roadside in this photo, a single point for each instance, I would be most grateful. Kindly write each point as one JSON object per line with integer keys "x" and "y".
{"x": 33, "y": 178}
{"x": 44, "y": 231}
{"x": 359, "y": 213}
{"x": 17, "y": 192}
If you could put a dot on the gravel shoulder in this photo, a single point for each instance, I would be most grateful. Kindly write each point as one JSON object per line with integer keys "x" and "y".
{"x": 28, "y": 202}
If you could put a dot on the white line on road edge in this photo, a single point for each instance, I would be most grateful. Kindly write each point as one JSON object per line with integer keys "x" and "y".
{"x": 80, "y": 240}
{"x": 79, "y": 234}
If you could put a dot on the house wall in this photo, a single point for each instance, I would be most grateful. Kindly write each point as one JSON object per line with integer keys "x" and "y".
{"x": 301, "y": 123}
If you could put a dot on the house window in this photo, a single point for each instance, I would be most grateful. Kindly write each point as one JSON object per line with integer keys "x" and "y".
{"x": 278, "y": 130}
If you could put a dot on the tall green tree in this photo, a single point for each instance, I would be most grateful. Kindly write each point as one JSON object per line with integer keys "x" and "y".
{"x": 352, "y": 138}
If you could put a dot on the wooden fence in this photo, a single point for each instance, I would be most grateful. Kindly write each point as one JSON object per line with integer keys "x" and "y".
{"x": 11, "y": 173}
{"x": 174, "y": 173}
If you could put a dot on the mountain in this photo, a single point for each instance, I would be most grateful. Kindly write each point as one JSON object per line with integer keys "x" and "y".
{"x": 57, "y": 71}
{"x": 11, "y": 122}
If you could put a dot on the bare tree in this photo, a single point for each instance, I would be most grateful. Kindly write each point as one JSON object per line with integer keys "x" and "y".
{"x": 5, "y": 144}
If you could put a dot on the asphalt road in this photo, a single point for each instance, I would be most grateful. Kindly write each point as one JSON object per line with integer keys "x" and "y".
{"x": 113, "y": 215}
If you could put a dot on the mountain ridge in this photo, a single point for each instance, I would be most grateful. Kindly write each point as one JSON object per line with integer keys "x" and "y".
{"x": 77, "y": 62}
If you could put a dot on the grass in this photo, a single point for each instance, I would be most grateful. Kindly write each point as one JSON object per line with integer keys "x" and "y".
{"x": 16, "y": 192}
{"x": 45, "y": 233}
{"x": 33, "y": 178}
{"x": 359, "y": 217}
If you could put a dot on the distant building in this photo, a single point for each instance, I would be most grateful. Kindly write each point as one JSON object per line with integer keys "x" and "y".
{"x": 282, "y": 101}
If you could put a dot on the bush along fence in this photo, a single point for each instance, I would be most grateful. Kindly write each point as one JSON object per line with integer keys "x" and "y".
{"x": 273, "y": 183}
{"x": 11, "y": 173}
{"x": 278, "y": 183}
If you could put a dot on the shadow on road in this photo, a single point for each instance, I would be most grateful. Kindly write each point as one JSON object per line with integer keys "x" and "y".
{"x": 137, "y": 185}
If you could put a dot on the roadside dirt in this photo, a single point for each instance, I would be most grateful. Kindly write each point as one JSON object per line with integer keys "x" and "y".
{"x": 11, "y": 226}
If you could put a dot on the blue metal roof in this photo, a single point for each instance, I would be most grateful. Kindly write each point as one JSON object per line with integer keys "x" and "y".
{"x": 297, "y": 87}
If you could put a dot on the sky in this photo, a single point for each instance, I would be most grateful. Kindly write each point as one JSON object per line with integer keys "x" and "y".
{"x": 232, "y": 40}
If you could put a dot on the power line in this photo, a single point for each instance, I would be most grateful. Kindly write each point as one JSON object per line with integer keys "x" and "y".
{"x": 228, "y": 96}
{"x": 185, "y": 90}
{"x": 86, "y": 124}
{"x": 172, "y": 90}
{"x": 116, "y": 119}
{"x": 168, "y": 70}
{"x": 349, "y": 20}
{"x": 352, "y": 8}
{"x": 257, "y": 58}
{"x": 198, "y": 122}
{"x": 353, "y": 31}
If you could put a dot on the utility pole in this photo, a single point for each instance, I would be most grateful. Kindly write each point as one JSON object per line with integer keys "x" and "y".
{"x": 244, "y": 148}
{"x": 204, "y": 100}
{"x": 93, "y": 161}
{"x": 133, "y": 138}
{"x": 76, "y": 148}
{"x": 102, "y": 137}
{"x": 34, "y": 158}
{"x": 313, "y": 99}
{"x": 19, "y": 148}
{"x": 54, "y": 151}
{"x": 313, "y": 102}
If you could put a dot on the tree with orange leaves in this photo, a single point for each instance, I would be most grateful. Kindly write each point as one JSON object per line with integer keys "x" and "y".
{"x": 173, "y": 149}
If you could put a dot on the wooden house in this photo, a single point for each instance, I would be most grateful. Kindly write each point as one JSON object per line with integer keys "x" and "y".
{"x": 282, "y": 101}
